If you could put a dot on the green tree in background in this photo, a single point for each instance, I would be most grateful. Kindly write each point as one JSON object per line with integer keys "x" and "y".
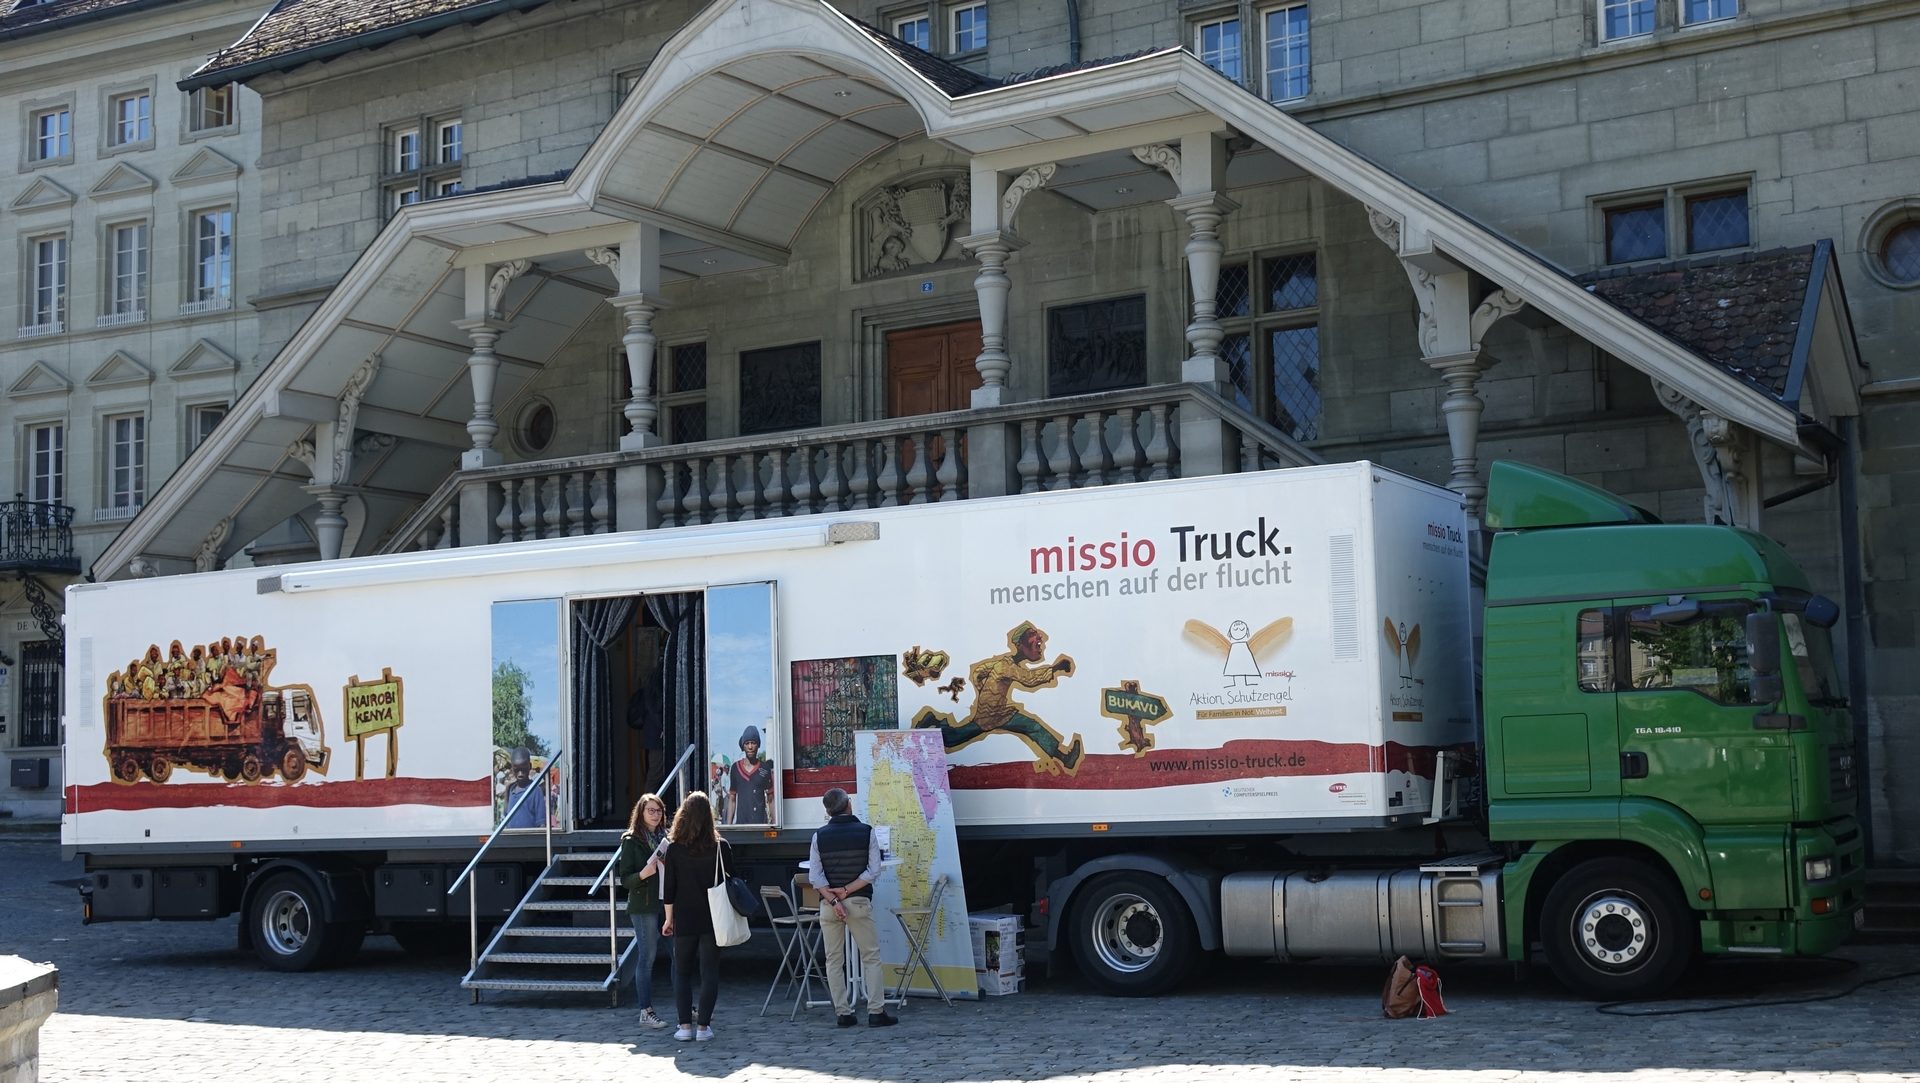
{"x": 513, "y": 710}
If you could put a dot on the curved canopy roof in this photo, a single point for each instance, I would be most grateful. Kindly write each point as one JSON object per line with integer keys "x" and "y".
{"x": 740, "y": 129}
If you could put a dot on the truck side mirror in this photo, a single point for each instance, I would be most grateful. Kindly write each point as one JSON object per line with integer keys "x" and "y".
{"x": 1821, "y": 611}
{"x": 1763, "y": 655}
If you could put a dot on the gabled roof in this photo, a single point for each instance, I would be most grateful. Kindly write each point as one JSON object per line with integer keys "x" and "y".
{"x": 1754, "y": 314}
{"x": 1740, "y": 311}
{"x": 296, "y": 32}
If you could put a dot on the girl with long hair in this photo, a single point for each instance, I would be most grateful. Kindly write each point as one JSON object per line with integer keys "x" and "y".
{"x": 638, "y": 868}
{"x": 694, "y": 853}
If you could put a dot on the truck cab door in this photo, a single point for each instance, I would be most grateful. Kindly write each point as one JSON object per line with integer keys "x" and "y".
{"x": 1552, "y": 733}
{"x": 1690, "y": 733}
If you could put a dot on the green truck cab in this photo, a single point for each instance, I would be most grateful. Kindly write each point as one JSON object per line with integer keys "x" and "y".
{"x": 1666, "y": 747}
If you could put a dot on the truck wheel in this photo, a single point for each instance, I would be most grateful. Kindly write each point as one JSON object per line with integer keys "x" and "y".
{"x": 1131, "y": 934}
{"x": 160, "y": 768}
{"x": 1614, "y": 929}
{"x": 230, "y": 770}
{"x": 250, "y": 769}
{"x": 126, "y": 768}
{"x": 288, "y": 932}
{"x": 293, "y": 765}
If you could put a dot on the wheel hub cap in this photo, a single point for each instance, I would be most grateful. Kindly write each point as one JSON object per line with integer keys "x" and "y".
{"x": 286, "y": 923}
{"x": 1614, "y": 930}
{"x": 1127, "y": 933}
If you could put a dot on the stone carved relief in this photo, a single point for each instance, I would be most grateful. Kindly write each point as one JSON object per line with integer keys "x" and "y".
{"x": 912, "y": 225}
{"x": 502, "y": 276}
{"x": 1720, "y": 452}
{"x": 207, "y": 558}
{"x": 1023, "y": 185}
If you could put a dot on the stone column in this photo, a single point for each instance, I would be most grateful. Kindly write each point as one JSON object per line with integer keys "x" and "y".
{"x": 1203, "y": 212}
{"x": 1461, "y": 409}
{"x": 992, "y": 287}
{"x": 482, "y": 368}
{"x": 330, "y": 526}
{"x": 641, "y": 412}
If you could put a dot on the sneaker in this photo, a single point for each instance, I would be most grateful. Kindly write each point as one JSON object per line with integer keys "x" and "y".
{"x": 881, "y": 1020}
{"x": 683, "y": 1034}
{"x": 705, "y": 1034}
{"x": 648, "y": 1019}
{"x": 848, "y": 1021}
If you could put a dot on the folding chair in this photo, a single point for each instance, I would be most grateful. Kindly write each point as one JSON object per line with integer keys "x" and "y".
{"x": 917, "y": 943}
{"x": 794, "y": 931}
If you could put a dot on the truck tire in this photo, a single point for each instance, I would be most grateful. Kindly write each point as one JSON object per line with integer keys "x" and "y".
{"x": 293, "y": 765}
{"x": 1614, "y": 929}
{"x": 1131, "y": 934}
{"x": 160, "y": 768}
{"x": 250, "y": 769}
{"x": 287, "y": 929}
{"x": 126, "y": 768}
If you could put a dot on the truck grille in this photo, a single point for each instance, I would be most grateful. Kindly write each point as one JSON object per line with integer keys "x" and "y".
{"x": 1840, "y": 775}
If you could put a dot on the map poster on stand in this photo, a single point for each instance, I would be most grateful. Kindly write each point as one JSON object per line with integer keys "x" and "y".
{"x": 903, "y": 789}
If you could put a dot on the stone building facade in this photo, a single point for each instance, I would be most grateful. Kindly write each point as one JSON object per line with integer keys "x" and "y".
{"x": 1674, "y": 141}
{"x": 127, "y": 209}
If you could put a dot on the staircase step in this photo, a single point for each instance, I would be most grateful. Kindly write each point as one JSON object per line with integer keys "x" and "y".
{"x": 571, "y": 881}
{"x": 600, "y": 856}
{"x": 544, "y": 985}
{"x": 548, "y": 958}
{"x": 565, "y": 930}
{"x": 572, "y": 905}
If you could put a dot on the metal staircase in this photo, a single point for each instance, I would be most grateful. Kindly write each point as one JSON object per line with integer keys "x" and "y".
{"x": 564, "y": 937}
{"x": 567, "y": 934}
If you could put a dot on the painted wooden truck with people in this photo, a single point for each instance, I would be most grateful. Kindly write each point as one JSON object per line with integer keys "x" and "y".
{"x": 1233, "y": 714}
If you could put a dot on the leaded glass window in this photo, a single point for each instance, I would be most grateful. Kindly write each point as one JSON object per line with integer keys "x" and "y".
{"x": 1717, "y": 221}
{"x": 780, "y": 388}
{"x": 1097, "y": 346}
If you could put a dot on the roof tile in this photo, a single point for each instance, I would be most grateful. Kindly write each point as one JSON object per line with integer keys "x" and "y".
{"x": 1740, "y": 311}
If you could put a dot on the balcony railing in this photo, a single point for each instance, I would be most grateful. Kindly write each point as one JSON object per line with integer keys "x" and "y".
{"x": 1071, "y": 443}
{"x": 36, "y": 536}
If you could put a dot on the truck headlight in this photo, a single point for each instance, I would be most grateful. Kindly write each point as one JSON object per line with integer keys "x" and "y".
{"x": 1819, "y": 868}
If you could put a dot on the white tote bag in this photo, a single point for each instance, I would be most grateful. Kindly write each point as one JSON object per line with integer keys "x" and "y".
{"x": 729, "y": 928}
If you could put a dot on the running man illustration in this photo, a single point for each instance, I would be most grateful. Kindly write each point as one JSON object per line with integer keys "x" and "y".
{"x": 1241, "y": 647}
{"x": 995, "y": 710}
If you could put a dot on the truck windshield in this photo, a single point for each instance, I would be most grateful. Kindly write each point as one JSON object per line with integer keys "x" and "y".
{"x": 1812, "y": 648}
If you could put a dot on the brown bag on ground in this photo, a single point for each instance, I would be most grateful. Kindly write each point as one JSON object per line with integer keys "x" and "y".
{"x": 1400, "y": 998}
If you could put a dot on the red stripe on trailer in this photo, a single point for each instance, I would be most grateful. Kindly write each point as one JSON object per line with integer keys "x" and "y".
{"x": 1173, "y": 767}
{"x": 363, "y": 793}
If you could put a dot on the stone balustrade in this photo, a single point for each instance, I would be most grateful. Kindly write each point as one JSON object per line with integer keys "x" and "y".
{"x": 1112, "y": 438}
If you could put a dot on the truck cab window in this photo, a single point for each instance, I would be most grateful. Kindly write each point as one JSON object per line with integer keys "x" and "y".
{"x": 1593, "y": 651}
{"x": 1707, "y": 656}
{"x": 1812, "y": 649}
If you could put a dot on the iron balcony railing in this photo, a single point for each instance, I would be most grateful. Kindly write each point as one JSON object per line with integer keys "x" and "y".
{"x": 36, "y": 536}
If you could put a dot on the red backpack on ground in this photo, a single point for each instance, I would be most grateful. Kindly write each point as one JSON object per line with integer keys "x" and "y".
{"x": 1411, "y": 992}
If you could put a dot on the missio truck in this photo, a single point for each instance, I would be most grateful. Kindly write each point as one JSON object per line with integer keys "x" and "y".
{"x": 1233, "y": 714}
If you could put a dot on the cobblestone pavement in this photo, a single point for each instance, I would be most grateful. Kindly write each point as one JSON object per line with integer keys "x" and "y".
{"x": 178, "y": 1001}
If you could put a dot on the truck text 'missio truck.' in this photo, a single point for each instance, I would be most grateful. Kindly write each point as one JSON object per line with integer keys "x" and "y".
{"x": 1239, "y": 714}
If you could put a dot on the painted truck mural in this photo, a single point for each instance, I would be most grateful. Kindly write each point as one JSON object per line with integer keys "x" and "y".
{"x": 211, "y": 709}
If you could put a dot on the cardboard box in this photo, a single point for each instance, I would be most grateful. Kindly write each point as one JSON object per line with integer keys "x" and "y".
{"x": 999, "y": 943}
{"x": 996, "y": 984}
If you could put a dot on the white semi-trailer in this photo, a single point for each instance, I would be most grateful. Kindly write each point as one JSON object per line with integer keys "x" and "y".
{"x": 1179, "y": 716}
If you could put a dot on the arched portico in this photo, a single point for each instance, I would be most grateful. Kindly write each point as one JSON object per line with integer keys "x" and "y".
{"x": 733, "y": 146}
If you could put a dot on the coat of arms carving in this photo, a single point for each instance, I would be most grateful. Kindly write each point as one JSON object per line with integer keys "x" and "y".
{"x": 913, "y": 224}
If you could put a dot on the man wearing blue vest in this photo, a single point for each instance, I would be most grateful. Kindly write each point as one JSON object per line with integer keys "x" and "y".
{"x": 845, "y": 862}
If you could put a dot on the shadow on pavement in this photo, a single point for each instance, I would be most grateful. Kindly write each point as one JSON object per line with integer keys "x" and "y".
{"x": 1234, "y": 1012}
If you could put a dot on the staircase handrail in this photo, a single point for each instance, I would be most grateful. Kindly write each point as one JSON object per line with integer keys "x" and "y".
{"x": 540, "y": 783}
{"x": 673, "y": 783}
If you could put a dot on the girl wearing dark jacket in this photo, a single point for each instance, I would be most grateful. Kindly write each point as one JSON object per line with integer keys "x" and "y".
{"x": 694, "y": 852}
{"x": 638, "y": 868}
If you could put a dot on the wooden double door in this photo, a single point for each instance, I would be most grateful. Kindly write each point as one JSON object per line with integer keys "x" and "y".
{"x": 930, "y": 369}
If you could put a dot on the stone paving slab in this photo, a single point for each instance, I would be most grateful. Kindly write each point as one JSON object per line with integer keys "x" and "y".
{"x": 159, "y": 1001}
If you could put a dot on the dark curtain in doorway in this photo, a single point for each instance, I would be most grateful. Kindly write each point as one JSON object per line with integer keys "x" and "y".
{"x": 595, "y": 624}
{"x": 683, "y": 673}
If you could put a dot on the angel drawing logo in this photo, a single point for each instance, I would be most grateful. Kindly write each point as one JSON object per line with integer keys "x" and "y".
{"x": 1240, "y": 647}
{"x": 1406, "y": 648}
